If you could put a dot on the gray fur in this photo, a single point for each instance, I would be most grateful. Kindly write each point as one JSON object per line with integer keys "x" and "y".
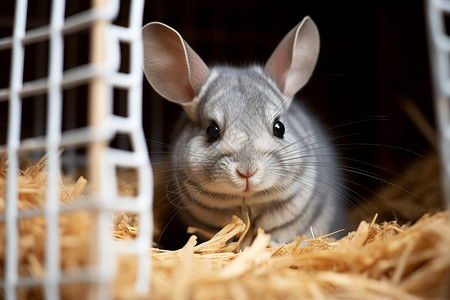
{"x": 297, "y": 181}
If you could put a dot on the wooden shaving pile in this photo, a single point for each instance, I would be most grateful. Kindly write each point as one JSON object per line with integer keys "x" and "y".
{"x": 386, "y": 261}
{"x": 377, "y": 261}
{"x": 74, "y": 227}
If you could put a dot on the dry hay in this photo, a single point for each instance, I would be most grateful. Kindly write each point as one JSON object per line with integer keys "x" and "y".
{"x": 376, "y": 261}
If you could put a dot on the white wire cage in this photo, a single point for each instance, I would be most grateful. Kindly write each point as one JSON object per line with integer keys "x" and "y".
{"x": 101, "y": 77}
{"x": 438, "y": 18}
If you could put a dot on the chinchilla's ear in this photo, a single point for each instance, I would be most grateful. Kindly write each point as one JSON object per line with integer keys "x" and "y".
{"x": 294, "y": 59}
{"x": 172, "y": 68}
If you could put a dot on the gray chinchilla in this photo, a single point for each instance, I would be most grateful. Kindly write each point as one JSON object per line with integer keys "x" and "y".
{"x": 245, "y": 145}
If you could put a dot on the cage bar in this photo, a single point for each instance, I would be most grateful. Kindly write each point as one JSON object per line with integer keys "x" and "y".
{"x": 102, "y": 75}
{"x": 439, "y": 45}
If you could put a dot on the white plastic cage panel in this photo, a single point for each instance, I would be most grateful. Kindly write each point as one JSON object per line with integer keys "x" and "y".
{"x": 438, "y": 17}
{"x": 43, "y": 117}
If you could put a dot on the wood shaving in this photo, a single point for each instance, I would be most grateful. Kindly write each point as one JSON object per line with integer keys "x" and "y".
{"x": 377, "y": 260}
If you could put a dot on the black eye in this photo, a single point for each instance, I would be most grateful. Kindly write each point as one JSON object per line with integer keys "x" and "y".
{"x": 278, "y": 129}
{"x": 212, "y": 132}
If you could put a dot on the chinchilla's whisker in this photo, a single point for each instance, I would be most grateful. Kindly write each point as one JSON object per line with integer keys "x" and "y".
{"x": 356, "y": 121}
{"x": 174, "y": 213}
{"x": 371, "y": 175}
{"x": 338, "y": 187}
{"x": 367, "y": 145}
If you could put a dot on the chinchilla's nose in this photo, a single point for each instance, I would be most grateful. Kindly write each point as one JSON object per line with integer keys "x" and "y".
{"x": 246, "y": 160}
{"x": 245, "y": 174}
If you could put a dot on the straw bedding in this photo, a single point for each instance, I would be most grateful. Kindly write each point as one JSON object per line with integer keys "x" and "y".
{"x": 378, "y": 260}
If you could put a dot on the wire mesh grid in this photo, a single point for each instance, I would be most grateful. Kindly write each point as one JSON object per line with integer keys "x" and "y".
{"x": 438, "y": 12}
{"x": 102, "y": 75}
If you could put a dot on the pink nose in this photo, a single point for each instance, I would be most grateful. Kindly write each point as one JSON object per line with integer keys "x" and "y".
{"x": 246, "y": 175}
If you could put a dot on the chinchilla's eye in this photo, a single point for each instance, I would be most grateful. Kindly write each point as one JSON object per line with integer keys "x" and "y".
{"x": 212, "y": 132}
{"x": 278, "y": 129}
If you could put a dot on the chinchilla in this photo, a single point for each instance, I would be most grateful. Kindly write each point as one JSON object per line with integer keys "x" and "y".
{"x": 245, "y": 145}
